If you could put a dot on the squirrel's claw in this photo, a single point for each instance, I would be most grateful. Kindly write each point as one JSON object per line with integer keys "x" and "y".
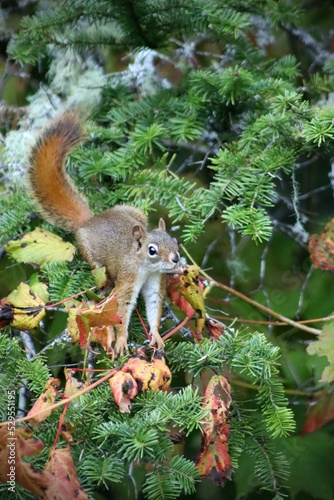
{"x": 156, "y": 339}
{"x": 121, "y": 347}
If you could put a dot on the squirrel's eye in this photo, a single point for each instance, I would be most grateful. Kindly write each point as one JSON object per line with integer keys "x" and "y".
{"x": 152, "y": 250}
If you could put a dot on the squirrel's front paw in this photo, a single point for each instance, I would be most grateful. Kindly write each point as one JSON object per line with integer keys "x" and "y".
{"x": 156, "y": 339}
{"x": 121, "y": 346}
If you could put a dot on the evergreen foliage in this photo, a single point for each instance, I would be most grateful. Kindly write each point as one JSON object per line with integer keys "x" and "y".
{"x": 65, "y": 281}
{"x": 210, "y": 142}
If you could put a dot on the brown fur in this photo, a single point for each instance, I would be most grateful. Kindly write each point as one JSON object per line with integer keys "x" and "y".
{"x": 118, "y": 239}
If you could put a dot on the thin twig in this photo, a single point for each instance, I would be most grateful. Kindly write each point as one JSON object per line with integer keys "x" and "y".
{"x": 263, "y": 308}
{"x": 65, "y": 401}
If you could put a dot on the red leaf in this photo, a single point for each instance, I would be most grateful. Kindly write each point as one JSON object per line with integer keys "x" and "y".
{"x": 213, "y": 459}
{"x": 214, "y": 328}
{"x": 176, "y": 298}
{"x": 321, "y": 248}
{"x": 14, "y": 445}
{"x": 61, "y": 477}
{"x": 320, "y": 413}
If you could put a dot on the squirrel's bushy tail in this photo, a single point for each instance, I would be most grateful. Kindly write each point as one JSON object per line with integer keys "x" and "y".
{"x": 59, "y": 201}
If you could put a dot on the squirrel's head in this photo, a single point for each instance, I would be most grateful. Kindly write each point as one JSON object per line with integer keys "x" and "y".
{"x": 161, "y": 250}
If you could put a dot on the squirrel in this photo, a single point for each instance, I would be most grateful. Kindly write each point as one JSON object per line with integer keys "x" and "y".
{"x": 136, "y": 259}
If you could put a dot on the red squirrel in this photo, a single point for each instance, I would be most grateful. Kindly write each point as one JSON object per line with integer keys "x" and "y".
{"x": 136, "y": 259}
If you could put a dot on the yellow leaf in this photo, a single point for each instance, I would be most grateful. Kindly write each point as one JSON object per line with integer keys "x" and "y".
{"x": 154, "y": 375}
{"x": 73, "y": 308}
{"x": 44, "y": 401}
{"x": 41, "y": 290}
{"x": 72, "y": 385}
{"x": 191, "y": 289}
{"x": 40, "y": 247}
{"x": 28, "y": 308}
{"x": 324, "y": 346}
{"x": 100, "y": 277}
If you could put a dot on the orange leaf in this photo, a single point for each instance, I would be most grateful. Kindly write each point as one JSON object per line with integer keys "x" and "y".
{"x": 124, "y": 388}
{"x": 14, "y": 445}
{"x": 103, "y": 335}
{"x": 141, "y": 370}
{"x": 61, "y": 477}
{"x": 139, "y": 374}
{"x": 46, "y": 399}
{"x": 162, "y": 372}
{"x": 104, "y": 313}
{"x": 321, "y": 248}
{"x": 213, "y": 459}
{"x": 152, "y": 375}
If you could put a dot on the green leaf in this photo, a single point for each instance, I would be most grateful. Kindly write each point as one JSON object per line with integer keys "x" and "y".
{"x": 101, "y": 470}
{"x": 145, "y": 138}
{"x": 319, "y": 129}
{"x": 235, "y": 84}
{"x": 160, "y": 485}
{"x": 249, "y": 221}
{"x": 185, "y": 472}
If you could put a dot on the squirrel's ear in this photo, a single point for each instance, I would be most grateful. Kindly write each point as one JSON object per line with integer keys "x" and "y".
{"x": 162, "y": 225}
{"x": 138, "y": 232}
